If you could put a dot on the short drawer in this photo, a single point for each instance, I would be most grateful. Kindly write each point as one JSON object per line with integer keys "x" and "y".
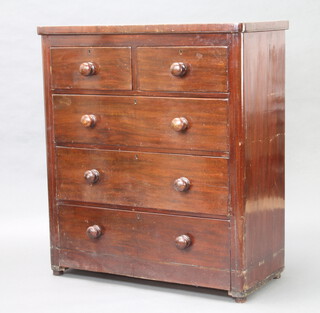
{"x": 126, "y": 242}
{"x": 144, "y": 180}
{"x": 193, "y": 69}
{"x": 168, "y": 123}
{"x": 91, "y": 68}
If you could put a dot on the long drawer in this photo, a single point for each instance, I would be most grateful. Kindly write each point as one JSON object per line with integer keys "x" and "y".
{"x": 146, "y": 180}
{"x": 142, "y": 122}
{"x": 136, "y": 243}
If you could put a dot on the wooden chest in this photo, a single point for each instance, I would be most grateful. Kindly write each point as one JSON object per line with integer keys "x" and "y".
{"x": 166, "y": 151}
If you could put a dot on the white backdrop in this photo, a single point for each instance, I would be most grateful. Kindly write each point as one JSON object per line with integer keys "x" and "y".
{"x": 24, "y": 236}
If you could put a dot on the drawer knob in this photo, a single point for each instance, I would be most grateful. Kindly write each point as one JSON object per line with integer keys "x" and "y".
{"x": 94, "y": 232}
{"x": 178, "y": 69}
{"x": 88, "y": 120}
{"x": 179, "y": 124}
{"x": 183, "y": 242}
{"x": 88, "y": 69}
{"x": 182, "y": 184}
{"x": 91, "y": 176}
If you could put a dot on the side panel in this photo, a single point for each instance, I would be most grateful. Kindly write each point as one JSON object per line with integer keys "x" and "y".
{"x": 54, "y": 228}
{"x": 263, "y": 91}
{"x": 236, "y": 166}
{"x": 256, "y": 159}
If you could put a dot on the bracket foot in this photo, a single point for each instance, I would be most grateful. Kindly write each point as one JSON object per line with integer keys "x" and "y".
{"x": 240, "y": 299}
{"x": 58, "y": 270}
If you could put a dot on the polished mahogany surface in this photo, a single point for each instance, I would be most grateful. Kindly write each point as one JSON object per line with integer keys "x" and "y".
{"x": 205, "y": 68}
{"x": 182, "y": 28}
{"x": 165, "y": 148}
{"x": 147, "y": 122}
{"x": 110, "y": 68}
{"x": 143, "y": 180}
{"x": 264, "y": 154}
{"x": 146, "y": 236}
{"x": 144, "y": 245}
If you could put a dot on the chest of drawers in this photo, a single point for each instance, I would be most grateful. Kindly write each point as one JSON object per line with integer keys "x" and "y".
{"x": 165, "y": 149}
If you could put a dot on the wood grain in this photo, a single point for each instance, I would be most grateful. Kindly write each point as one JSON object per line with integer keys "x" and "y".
{"x": 143, "y": 245}
{"x": 184, "y": 94}
{"x": 165, "y": 28}
{"x": 146, "y": 269}
{"x": 258, "y": 223}
{"x": 146, "y": 236}
{"x": 140, "y": 40}
{"x": 142, "y": 122}
{"x": 264, "y": 26}
{"x": 140, "y": 29}
{"x": 143, "y": 180}
{"x": 53, "y": 217}
{"x": 114, "y": 68}
{"x": 236, "y": 165}
{"x": 207, "y": 68}
{"x": 264, "y": 154}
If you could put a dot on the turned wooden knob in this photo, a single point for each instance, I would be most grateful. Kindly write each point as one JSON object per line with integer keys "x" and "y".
{"x": 94, "y": 231}
{"x": 88, "y": 120}
{"x": 88, "y": 69}
{"x": 91, "y": 176}
{"x": 181, "y": 184}
{"x": 179, "y": 124}
{"x": 178, "y": 69}
{"x": 183, "y": 242}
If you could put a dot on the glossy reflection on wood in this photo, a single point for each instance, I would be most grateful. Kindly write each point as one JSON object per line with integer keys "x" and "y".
{"x": 179, "y": 124}
{"x": 91, "y": 176}
{"x": 144, "y": 180}
{"x": 260, "y": 240}
{"x": 178, "y": 69}
{"x": 94, "y": 231}
{"x": 195, "y": 68}
{"x": 88, "y": 69}
{"x": 146, "y": 237}
{"x": 91, "y": 68}
{"x": 183, "y": 242}
{"x": 88, "y": 120}
{"x": 182, "y": 184}
{"x": 264, "y": 113}
{"x": 143, "y": 122}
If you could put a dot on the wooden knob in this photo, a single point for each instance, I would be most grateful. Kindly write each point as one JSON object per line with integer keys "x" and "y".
{"x": 91, "y": 176}
{"x": 88, "y": 120}
{"x": 183, "y": 242}
{"x": 179, "y": 124}
{"x": 94, "y": 232}
{"x": 182, "y": 184}
{"x": 88, "y": 69}
{"x": 178, "y": 69}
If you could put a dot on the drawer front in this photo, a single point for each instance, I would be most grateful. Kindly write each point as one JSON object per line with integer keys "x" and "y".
{"x": 142, "y": 122}
{"x": 199, "y": 69}
{"x": 91, "y": 68}
{"x": 146, "y": 180}
{"x": 134, "y": 238}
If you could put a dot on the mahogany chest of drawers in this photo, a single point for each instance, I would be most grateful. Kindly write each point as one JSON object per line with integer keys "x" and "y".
{"x": 165, "y": 149}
